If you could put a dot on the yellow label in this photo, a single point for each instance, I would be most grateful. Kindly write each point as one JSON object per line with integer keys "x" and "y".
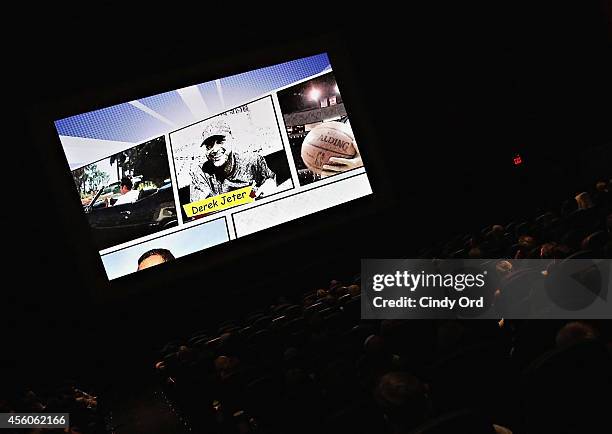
{"x": 220, "y": 202}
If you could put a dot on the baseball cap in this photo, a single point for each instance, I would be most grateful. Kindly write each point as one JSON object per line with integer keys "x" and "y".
{"x": 217, "y": 127}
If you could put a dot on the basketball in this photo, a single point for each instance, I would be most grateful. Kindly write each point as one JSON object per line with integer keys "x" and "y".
{"x": 326, "y": 140}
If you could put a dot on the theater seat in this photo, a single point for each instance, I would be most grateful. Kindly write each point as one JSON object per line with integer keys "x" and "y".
{"x": 463, "y": 421}
{"x": 293, "y": 311}
{"x": 567, "y": 389}
{"x": 516, "y": 292}
{"x": 344, "y": 299}
{"x": 582, "y": 254}
{"x": 469, "y": 377}
{"x": 312, "y": 309}
{"x": 295, "y": 325}
{"x": 262, "y": 322}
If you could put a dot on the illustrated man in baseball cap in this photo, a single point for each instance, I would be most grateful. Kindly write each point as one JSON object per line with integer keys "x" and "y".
{"x": 225, "y": 169}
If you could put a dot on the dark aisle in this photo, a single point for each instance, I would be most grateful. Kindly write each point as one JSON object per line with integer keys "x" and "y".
{"x": 145, "y": 412}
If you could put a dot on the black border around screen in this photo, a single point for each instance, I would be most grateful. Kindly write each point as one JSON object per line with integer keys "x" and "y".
{"x": 86, "y": 257}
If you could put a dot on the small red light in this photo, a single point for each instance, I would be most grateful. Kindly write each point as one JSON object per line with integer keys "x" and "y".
{"x": 518, "y": 160}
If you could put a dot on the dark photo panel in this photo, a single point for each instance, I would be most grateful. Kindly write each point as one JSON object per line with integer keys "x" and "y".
{"x": 127, "y": 195}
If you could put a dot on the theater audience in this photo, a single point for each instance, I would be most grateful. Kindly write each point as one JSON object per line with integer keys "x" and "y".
{"x": 310, "y": 364}
{"x": 86, "y": 416}
{"x": 550, "y": 251}
{"x": 332, "y": 372}
{"x": 475, "y": 253}
{"x": 575, "y": 332}
{"x": 376, "y": 360}
{"x": 404, "y": 401}
{"x": 526, "y": 247}
{"x": 354, "y": 290}
{"x": 584, "y": 200}
{"x": 580, "y": 226}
